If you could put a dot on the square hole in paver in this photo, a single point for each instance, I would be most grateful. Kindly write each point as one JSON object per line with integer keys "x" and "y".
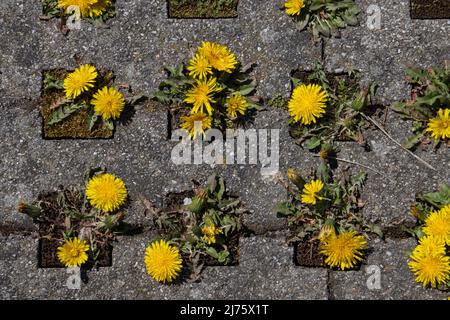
{"x": 335, "y": 81}
{"x": 174, "y": 201}
{"x": 175, "y": 114}
{"x": 307, "y": 254}
{"x": 47, "y": 255}
{"x": 430, "y": 9}
{"x": 98, "y": 13}
{"x": 202, "y": 8}
{"x": 52, "y": 228}
{"x": 75, "y": 125}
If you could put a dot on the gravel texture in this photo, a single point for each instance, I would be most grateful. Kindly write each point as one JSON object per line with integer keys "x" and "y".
{"x": 137, "y": 44}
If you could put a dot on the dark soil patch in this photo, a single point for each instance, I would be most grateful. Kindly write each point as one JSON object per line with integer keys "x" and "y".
{"x": 175, "y": 201}
{"x": 202, "y": 8}
{"x": 174, "y": 120}
{"x": 334, "y": 80}
{"x": 74, "y": 126}
{"x": 307, "y": 254}
{"x": 430, "y": 9}
{"x": 51, "y": 233}
{"x": 396, "y": 232}
{"x": 47, "y": 255}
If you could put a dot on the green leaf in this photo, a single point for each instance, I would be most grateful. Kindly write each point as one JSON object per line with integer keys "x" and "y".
{"x": 247, "y": 89}
{"x": 415, "y": 74}
{"x": 254, "y": 106}
{"x": 109, "y": 124}
{"x": 284, "y": 209}
{"x": 350, "y": 19}
{"x": 313, "y": 143}
{"x": 439, "y": 198}
{"x": 223, "y": 256}
{"x": 316, "y": 6}
{"x": 429, "y": 100}
{"x": 92, "y": 119}
{"x": 50, "y": 8}
{"x": 135, "y": 99}
{"x": 376, "y": 229}
{"x": 296, "y": 82}
{"x": 162, "y": 97}
{"x": 51, "y": 83}
{"x": 212, "y": 252}
{"x": 303, "y": 22}
{"x": 221, "y": 190}
{"x": 323, "y": 172}
{"x": 64, "y": 111}
{"x": 412, "y": 141}
{"x": 323, "y": 28}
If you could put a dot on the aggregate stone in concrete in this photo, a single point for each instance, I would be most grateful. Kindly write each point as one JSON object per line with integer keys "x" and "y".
{"x": 266, "y": 271}
{"x": 389, "y": 193}
{"x": 388, "y": 260}
{"x": 259, "y": 191}
{"x": 19, "y": 48}
{"x": 137, "y": 44}
{"x": 31, "y": 164}
{"x": 383, "y": 55}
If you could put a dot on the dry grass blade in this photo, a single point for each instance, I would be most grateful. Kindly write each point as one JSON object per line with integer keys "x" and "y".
{"x": 358, "y": 164}
{"x": 398, "y": 143}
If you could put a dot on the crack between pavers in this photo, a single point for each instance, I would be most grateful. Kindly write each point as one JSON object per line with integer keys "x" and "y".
{"x": 330, "y": 285}
{"x": 322, "y": 51}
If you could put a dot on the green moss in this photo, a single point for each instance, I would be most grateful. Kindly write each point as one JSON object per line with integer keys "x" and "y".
{"x": 203, "y": 8}
{"x": 76, "y": 125}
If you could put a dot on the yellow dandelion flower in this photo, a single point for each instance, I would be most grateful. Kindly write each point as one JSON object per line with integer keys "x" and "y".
{"x": 201, "y": 95}
{"x": 196, "y": 124}
{"x": 344, "y": 250}
{"x": 108, "y": 103}
{"x": 219, "y": 57}
{"x": 437, "y": 224}
{"x": 163, "y": 261}
{"x": 210, "y": 232}
{"x": 199, "y": 67}
{"x": 439, "y": 127}
{"x": 84, "y": 5}
{"x": 430, "y": 245}
{"x": 293, "y": 7}
{"x": 307, "y": 103}
{"x": 106, "y": 192}
{"x": 73, "y": 252}
{"x": 310, "y": 191}
{"x": 236, "y": 103}
{"x": 79, "y": 81}
{"x": 98, "y": 8}
{"x": 433, "y": 269}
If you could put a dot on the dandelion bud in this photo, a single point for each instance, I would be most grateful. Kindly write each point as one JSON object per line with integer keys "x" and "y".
{"x": 32, "y": 211}
{"x": 360, "y": 101}
{"x": 327, "y": 230}
{"x": 323, "y": 154}
{"x": 295, "y": 178}
{"x": 197, "y": 204}
{"x": 417, "y": 213}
